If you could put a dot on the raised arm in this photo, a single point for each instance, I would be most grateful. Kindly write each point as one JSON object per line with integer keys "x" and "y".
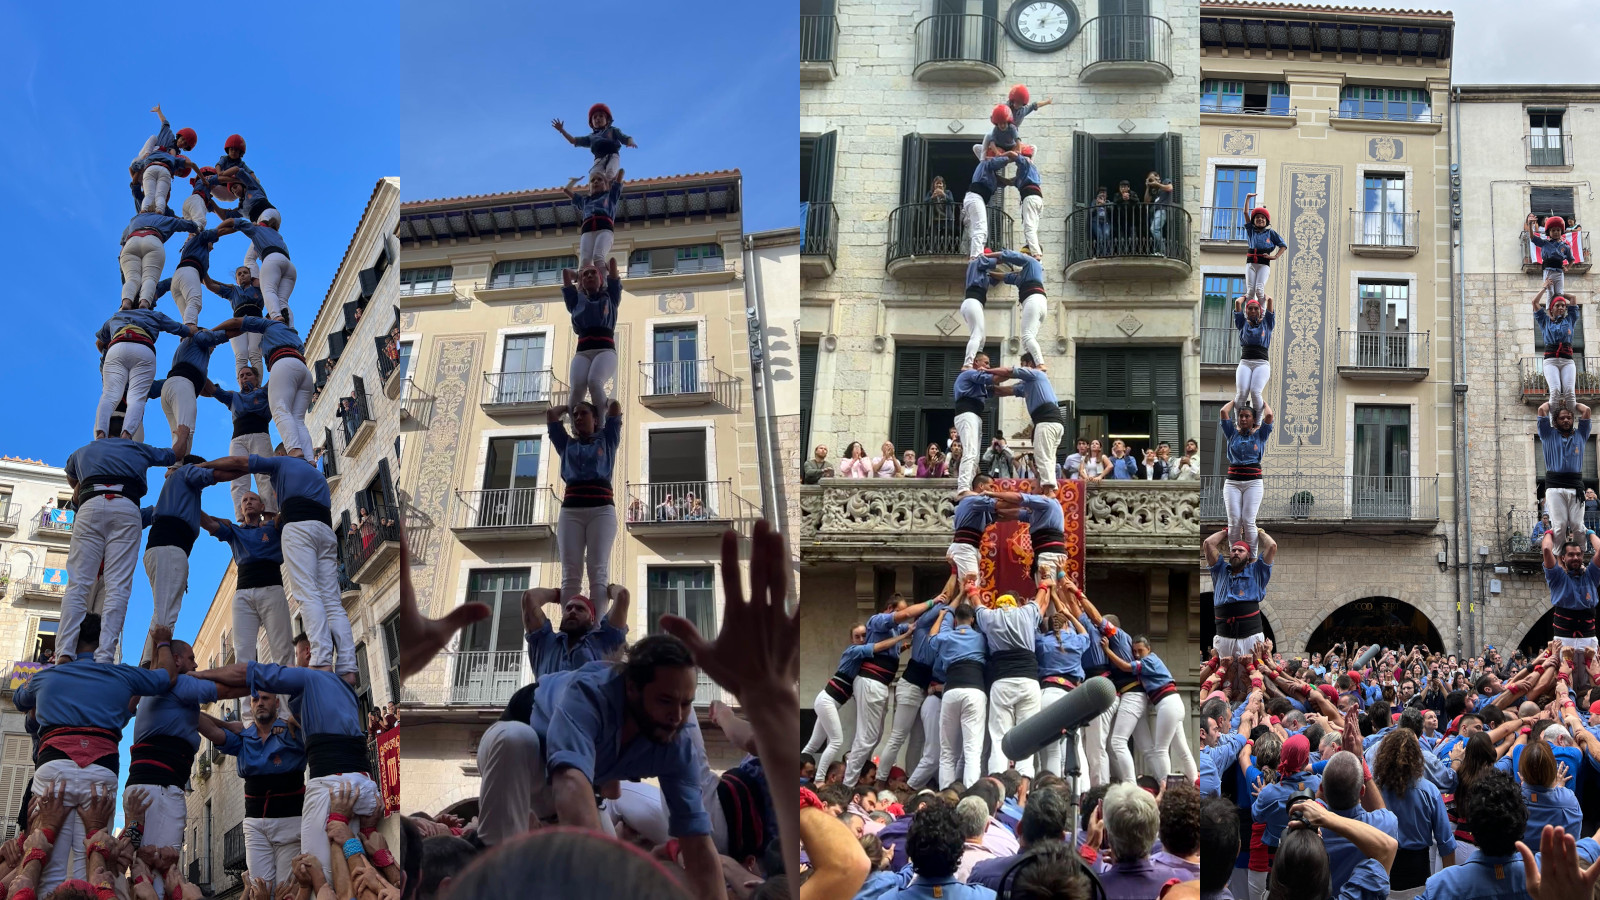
{"x": 1372, "y": 843}
{"x": 1213, "y": 546}
{"x": 621, "y": 602}
{"x": 838, "y": 864}
{"x": 1267, "y": 546}
{"x": 533, "y": 601}
{"x": 1112, "y": 657}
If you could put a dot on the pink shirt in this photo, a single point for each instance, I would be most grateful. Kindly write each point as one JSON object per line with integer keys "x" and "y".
{"x": 884, "y": 466}
{"x": 855, "y": 468}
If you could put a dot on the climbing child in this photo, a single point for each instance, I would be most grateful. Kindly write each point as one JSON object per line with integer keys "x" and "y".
{"x": 159, "y": 160}
{"x": 1264, "y": 246}
{"x": 605, "y": 141}
{"x": 1555, "y": 254}
{"x": 597, "y": 212}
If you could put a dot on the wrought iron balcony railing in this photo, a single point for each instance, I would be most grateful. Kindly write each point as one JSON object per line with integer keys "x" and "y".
{"x": 510, "y": 389}
{"x": 467, "y": 678}
{"x": 1122, "y": 230}
{"x": 1534, "y": 390}
{"x": 931, "y": 228}
{"x": 819, "y": 38}
{"x": 687, "y": 502}
{"x": 1219, "y": 346}
{"x": 821, "y": 237}
{"x": 380, "y": 525}
{"x": 1333, "y": 498}
{"x": 1116, "y": 39}
{"x": 1223, "y": 223}
{"x": 1378, "y": 228}
{"x": 1383, "y": 350}
{"x": 954, "y": 38}
{"x": 1548, "y": 149}
{"x": 503, "y": 508}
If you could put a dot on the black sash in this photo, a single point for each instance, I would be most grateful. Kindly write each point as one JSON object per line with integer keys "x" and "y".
{"x": 1045, "y": 412}
{"x": 1015, "y": 664}
{"x": 982, "y": 190}
{"x": 840, "y": 687}
{"x": 968, "y": 673}
{"x": 742, "y": 800}
{"x": 274, "y": 796}
{"x": 969, "y": 405}
{"x": 263, "y": 573}
{"x": 1252, "y": 351}
{"x": 1243, "y": 620}
{"x": 336, "y": 754}
{"x": 161, "y": 760}
{"x": 587, "y": 494}
{"x": 919, "y": 674}
{"x": 597, "y": 223}
{"x": 1030, "y": 190}
{"x": 132, "y": 488}
{"x": 1569, "y": 480}
{"x": 171, "y": 531}
{"x": 597, "y": 338}
{"x": 1028, "y": 289}
{"x": 300, "y": 509}
{"x": 189, "y": 371}
{"x": 257, "y": 206}
{"x": 880, "y": 668}
{"x": 1411, "y": 869}
{"x": 282, "y": 353}
{"x": 250, "y": 423}
{"x": 1247, "y": 472}
{"x": 967, "y": 536}
{"x": 1572, "y": 623}
{"x": 978, "y": 293}
{"x": 1048, "y": 540}
{"x": 1559, "y": 351}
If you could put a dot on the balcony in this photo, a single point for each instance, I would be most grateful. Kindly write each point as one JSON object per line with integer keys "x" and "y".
{"x": 467, "y": 681}
{"x": 687, "y": 382}
{"x": 871, "y": 522}
{"x": 10, "y": 517}
{"x": 1579, "y": 241}
{"x": 427, "y": 293}
{"x": 1535, "y": 391}
{"x": 1355, "y": 502}
{"x": 1222, "y": 228}
{"x": 1384, "y": 356}
{"x": 1548, "y": 152}
{"x": 348, "y": 590}
{"x": 416, "y": 407}
{"x": 1391, "y": 121}
{"x": 373, "y": 545}
{"x": 1128, "y": 49}
{"x": 1123, "y": 242}
{"x": 926, "y": 239}
{"x": 5, "y": 580}
{"x": 233, "y": 849}
{"x": 389, "y": 368}
{"x": 819, "y": 42}
{"x": 52, "y": 524}
{"x": 520, "y": 393}
{"x": 1273, "y": 115}
{"x": 331, "y": 471}
{"x": 504, "y": 514}
{"x": 958, "y": 48}
{"x": 1389, "y": 235}
{"x": 647, "y": 275}
{"x": 688, "y": 508}
{"x": 1522, "y": 550}
{"x": 355, "y": 411}
{"x": 819, "y": 244}
{"x": 43, "y": 583}
{"x": 1219, "y": 351}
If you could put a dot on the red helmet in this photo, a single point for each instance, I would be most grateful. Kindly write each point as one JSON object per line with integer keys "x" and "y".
{"x": 1025, "y": 150}
{"x": 187, "y": 134}
{"x": 233, "y": 141}
{"x": 1018, "y": 95}
{"x": 208, "y": 170}
{"x": 601, "y": 108}
{"x": 1262, "y": 212}
{"x": 1555, "y": 222}
{"x": 1558, "y": 299}
{"x": 1251, "y": 302}
{"x": 1001, "y": 115}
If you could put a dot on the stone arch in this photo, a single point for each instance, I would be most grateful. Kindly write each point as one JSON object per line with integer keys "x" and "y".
{"x": 1373, "y": 619}
{"x": 1534, "y": 622}
{"x": 457, "y": 795}
{"x": 1350, "y": 594}
{"x": 466, "y": 810}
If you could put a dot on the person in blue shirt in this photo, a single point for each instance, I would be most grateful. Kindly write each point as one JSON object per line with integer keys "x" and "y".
{"x": 240, "y": 183}
{"x": 271, "y": 751}
{"x": 1240, "y": 585}
{"x": 127, "y": 343}
{"x": 1032, "y": 384}
{"x": 875, "y": 678}
{"x": 1556, "y": 331}
{"x": 1263, "y": 245}
{"x": 244, "y": 296}
{"x": 183, "y": 384}
{"x": 911, "y": 687}
{"x": 973, "y": 388}
{"x": 290, "y": 384}
{"x": 593, "y": 308}
{"x": 960, "y": 652}
{"x": 251, "y": 414}
{"x": 174, "y": 524}
{"x": 986, "y": 179}
{"x": 975, "y": 299}
{"x": 1562, "y": 438}
{"x": 935, "y": 846}
{"x": 1059, "y": 651}
{"x": 1165, "y": 709}
{"x": 158, "y": 160}
{"x": 828, "y": 735}
{"x": 1124, "y": 467}
{"x": 1417, "y": 805}
{"x": 1302, "y": 864}
{"x": 276, "y": 271}
{"x": 605, "y": 140}
{"x": 1554, "y": 253}
{"x": 1007, "y": 137}
{"x": 1032, "y": 193}
{"x": 587, "y": 526}
{"x": 144, "y": 254}
{"x": 258, "y": 599}
{"x": 597, "y": 213}
{"x": 1574, "y": 589}
{"x": 580, "y": 638}
{"x": 1242, "y": 491}
{"x": 975, "y": 512}
{"x": 1496, "y": 817}
{"x": 1255, "y": 336}
{"x": 1219, "y": 746}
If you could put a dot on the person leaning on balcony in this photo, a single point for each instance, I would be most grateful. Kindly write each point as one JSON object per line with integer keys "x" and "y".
{"x": 1124, "y": 466}
{"x": 908, "y": 465}
{"x": 1560, "y": 372}
{"x": 931, "y": 464}
{"x": 816, "y": 468}
{"x": 1159, "y": 195}
{"x": 856, "y": 464}
{"x": 1170, "y": 468}
{"x": 1540, "y": 528}
{"x": 1095, "y": 465}
{"x": 1188, "y": 468}
{"x": 1125, "y": 219}
{"x": 996, "y": 461}
{"x": 1554, "y": 253}
{"x": 883, "y": 465}
{"x": 1072, "y": 466}
{"x": 941, "y": 205}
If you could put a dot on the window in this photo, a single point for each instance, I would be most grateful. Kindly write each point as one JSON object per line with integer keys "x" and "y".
{"x": 1230, "y": 189}
{"x": 524, "y": 377}
{"x": 1383, "y": 211}
{"x": 1260, "y": 97}
{"x": 1125, "y": 30}
{"x": 1219, "y": 343}
{"x": 5, "y": 503}
{"x": 1382, "y": 487}
{"x": 529, "y": 272}
{"x": 405, "y": 359}
{"x": 808, "y": 386}
{"x": 1213, "y": 454}
{"x": 1387, "y": 104}
{"x": 675, "y": 260}
{"x": 1131, "y": 393}
{"x": 363, "y": 682}
{"x": 490, "y": 665}
{"x": 921, "y": 412}
{"x": 16, "y": 767}
{"x": 927, "y": 225}
{"x": 513, "y": 462}
{"x": 1546, "y": 144}
{"x": 816, "y": 177}
{"x": 1552, "y": 201}
{"x": 431, "y": 280}
{"x": 685, "y": 591}
{"x": 1383, "y": 324}
{"x": 674, "y": 368}
{"x": 44, "y": 640}
{"x": 1126, "y": 229}
{"x": 391, "y": 652}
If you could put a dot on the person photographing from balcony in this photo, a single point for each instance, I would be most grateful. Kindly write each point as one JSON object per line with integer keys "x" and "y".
{"x": 597, "y": 213}
{"x": 1254, "y": 323}
{"x": 291, "y": 382}
{"x": 258, "y": 599}
{"x": 580, "y": 637}
{"x": 587, "y": 526}
{"x": 1560, "y": 372}
{"x": 1562, "y": 440}
{"x": 244, "y": 295}
{"x": 986, "y": 179}
{"x": 271, "y": 754}
{"x": 1242, "y": 491}
{"x": 251, "y": 413}
{"x": 973, "y": 387}
{"x": 593, "y": 307}
{"x": 1158, "y": 194}
{"x": 1262, "y": 246}
{"x": 1555, "y": 254}
{"x": 127, "y": 342}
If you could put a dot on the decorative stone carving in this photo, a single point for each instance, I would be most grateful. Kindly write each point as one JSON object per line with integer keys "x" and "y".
{"x": 674, "y": 302}
{"x": 527, "y": 313}
{"x": 1385, "y": 149}
{"x": 1238, "y": 143}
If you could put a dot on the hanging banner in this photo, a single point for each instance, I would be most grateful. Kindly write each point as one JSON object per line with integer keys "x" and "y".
{"x": 1005, "y": 555}
{"x": 389, "y": 769}
{"x": 21, "y": 672}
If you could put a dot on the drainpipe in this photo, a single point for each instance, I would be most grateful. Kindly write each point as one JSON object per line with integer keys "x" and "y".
{"x": 773, "y": 501}
{"x": 1458, "y": 406}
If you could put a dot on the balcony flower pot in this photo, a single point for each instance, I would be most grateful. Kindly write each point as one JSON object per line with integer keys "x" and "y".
{"x": 1300, "y": 504}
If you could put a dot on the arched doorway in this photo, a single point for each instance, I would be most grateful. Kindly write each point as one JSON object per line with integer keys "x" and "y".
{"x": 465, "y": 810}
{"x": 1541, "y": 634}
{"x": 1208, "y": 625}
{"x": 1375, "y": 620}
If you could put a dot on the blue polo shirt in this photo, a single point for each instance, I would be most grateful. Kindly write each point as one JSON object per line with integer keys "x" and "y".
{"x": 1034, "y": 387}
{"x": 180, "y": 494}
{"x": 974, "y": 514}
{"x": 1272, "y": 803}
{"x": 1043, "y": 513}
{"x": 84, "y": 692}
{"x": 281, "y": 752}
{"x": 957, "y": 643}
{"x": 1343, "y": 855}
{"x": 321, "y": 701}
{"x": 251, "y": 543}
{"x": 1215, "y": 760}
{"x": 293, "y": 478}
{"x": 114, "y": 460}
{"x": 1563, "y": 452}
{"x": 1257, "y": 335}
{"x": 1422, "y": 818}
{"x": 973, "y": 385}
{"x": 1573, "y": 593}
{"x": 1061, "y": 653}
{"x": 1246, "y": 449}
{"x": 275, "y": 336}
{"x": 550, "y": 650}
{"x": 1151, "y": 672}
{"x": 1248, "y": 585}
{"x": 175, "y": 713}
{"x": 921, "y": 649}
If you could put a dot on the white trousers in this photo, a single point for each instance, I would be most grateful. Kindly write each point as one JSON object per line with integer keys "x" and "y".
{"x": 1255, "y": 280}
{"x": 103, "y": 531}
{"x": 928, "y": 766}
{"x": 1166, "y": 738}
{"x": 129, "y": 368}
{"x": 907, "y": 709}
{"x": 259, "y": 443}
{"x": 1558, "y": 281}
{"x": 1046, "y": 438}
{"x": 588, "y": 374}
{"x": 277, "y": 282}
{"x": 1032, "y": 317}
{"x": 1566, "y": 515}
{"x": 1583, "y": 643}
{"x": 289, "y": 395}
{"x": 1094, "y": 740}
{"x": 872, "y": 702}
{"x": 157, "y": 188}
{"x": 964, "y": 559}
{"x": 1243, "y": 499}
{"x": 314, "y": 814}
{"x": 1032, "y": 205}
{"x": 164, "y": 822}
{"x": 258, "y": 609}
{"x": 1560, "y": 376}
{"x": 584, "y": 536}
{"x": 961, "y": 714}
{"x": 972, "y": 314}
{"x": 608, "y": 165}
{"x": 514, "y": 790}
{"x": 143, "y": 257}
{"x": 168, "y": 570}
{"x": 1236, "y": 648}
{"x": 194, "y": 209}
{"x": 187, "y": 295}
{"x": 1130, "y": 724}
{"x": 178, "y": 404}
{"x": 1053, "y": 757}
{"x": 595, "y": 246}
{"x": 69, "y": 859}
{"x": 246, "y": 351}
{"x": 1250, "y": 382}
{"x": 310, "y": 551}
{"x": 828, "y": 735}
{"x": 270, "y": 846}
{"x": 968, "y": 427}
{"x": 1011, "y": 700}
{"x": 976, "y": 214}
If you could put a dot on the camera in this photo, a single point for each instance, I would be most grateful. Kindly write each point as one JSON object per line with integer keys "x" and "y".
{"x": 1302, "y": 794}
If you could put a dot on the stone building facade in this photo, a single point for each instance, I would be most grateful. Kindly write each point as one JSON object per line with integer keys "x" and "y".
{"x": 1339, "y": 126}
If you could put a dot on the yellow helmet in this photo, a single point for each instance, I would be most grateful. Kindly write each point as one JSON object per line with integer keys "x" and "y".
{"x": 1005, "y": 601}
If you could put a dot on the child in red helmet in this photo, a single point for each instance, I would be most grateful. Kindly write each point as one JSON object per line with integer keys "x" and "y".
{"x": 1554, "y": 253}
{"x": 605, "y": 141}
{"x": 1263, "y": 246}
{"x": 233, "y": 155}
{"x": 1004, "y": 135}
{"x": 158, "y": 161}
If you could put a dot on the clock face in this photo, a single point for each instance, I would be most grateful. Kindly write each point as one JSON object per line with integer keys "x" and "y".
{"x": 1042, "y": 25}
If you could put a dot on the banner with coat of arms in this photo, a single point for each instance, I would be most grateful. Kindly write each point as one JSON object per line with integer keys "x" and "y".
{"x": 389, "y": 769}
{"x": 1005, "y": 555}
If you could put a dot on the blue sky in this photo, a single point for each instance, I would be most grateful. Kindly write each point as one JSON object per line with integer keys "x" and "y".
{"x": 312, "y": 91}
{"x": 700, "y": 86}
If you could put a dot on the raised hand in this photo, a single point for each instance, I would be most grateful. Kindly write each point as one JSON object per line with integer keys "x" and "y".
{"x": 97, "y": 812}
{"x": 135, "y": 805}
{"x": 1562, "y": 877}
{"x": 53, "y": 806}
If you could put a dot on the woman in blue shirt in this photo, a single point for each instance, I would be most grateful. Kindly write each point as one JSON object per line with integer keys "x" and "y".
{"x": 1255, "y": 334}
{"x": 1165, "y": 708}
{"x": 587, "y": 526}
{"x": 1242, "y": 492}
{"x": 1415, "y": 801}
{"x": 828, "y": 735}
{"x": 1545, "y": 794}
{"x": 1560, "y": 372}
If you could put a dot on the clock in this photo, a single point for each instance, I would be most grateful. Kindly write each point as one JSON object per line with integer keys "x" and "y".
{"x": 1042, "y": 26}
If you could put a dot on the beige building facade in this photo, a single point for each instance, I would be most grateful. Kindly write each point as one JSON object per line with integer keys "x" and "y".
{"x": 1337, "y": 121}
{"x": 489, "y": 343}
